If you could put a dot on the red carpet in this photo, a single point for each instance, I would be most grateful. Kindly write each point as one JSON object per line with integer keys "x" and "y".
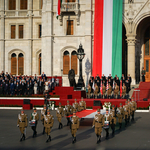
{"x": 68, "y": 93}
{"x": 144, "y": 92}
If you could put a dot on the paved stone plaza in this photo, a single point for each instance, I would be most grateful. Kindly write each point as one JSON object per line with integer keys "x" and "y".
{"x": 134, "y": 137}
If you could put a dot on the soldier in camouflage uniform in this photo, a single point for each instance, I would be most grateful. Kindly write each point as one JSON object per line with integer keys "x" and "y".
{"x": 60, "y": 114}
{"x": 48, "y": 124}
{"x": 34, "y": 116}
{"x": 68, "y": 112}
{"x": 126, "y": 113}
{"x": 133, "y": 108}
{"x": 76, "y": 106}
{"x": 43, "y": 112}
{"x": 98, "y": 123}
{"x": 82, "y": 104}
{"x": 22, "y": 123}
{"x": 120, "y": 115}
{"x": 74, "y": 126}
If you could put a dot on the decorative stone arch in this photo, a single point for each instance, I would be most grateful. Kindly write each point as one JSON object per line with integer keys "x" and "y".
{"x": 17, "y": 52}
{"x": 37, "y": 60}
{"x": 138, "y": 20}
{"x": 70, "y": 49}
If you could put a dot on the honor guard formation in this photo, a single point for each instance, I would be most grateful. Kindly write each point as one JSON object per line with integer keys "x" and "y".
{"x": 106, "y": 121}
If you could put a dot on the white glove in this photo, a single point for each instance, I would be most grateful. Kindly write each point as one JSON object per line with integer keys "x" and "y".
{"x": 93, "y": 126}
{"x": 17, "y": 125}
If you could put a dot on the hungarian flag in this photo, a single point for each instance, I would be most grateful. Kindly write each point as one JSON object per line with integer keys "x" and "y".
{"x": 101, "y": 88}
{"x": 58, "y": 8}
{"x": 120, "y": 88}
{"x": 107, "y": 50}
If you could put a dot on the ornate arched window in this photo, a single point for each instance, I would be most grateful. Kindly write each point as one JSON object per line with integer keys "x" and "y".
{"x": 20, "y": 64}
{"x": 74, "y": 61}
{"x": 13, "y": 64}
{"x": 66, "y": 62}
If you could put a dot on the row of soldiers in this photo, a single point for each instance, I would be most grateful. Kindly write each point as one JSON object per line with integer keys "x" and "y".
{"x": 107, "y": 93}
{"x": 48, "y": 120}
{"x": 100, "y": 121}
{"x": 110, "y": 118}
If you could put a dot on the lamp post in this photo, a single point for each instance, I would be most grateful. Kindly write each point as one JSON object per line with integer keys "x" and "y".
{"x": 80, "y": 55}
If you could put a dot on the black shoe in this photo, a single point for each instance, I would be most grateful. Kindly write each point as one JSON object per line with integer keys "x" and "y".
{"x": 99, "y": 138}
{"x": 59, "y": 126}
{"x": 49, "y": 138}
{"x": 23, "y": 137}
{"x": 73, "y": 140}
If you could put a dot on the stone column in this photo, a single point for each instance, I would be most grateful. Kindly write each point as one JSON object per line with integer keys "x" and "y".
{"x": 47, "y": 45}
{"x": 29, "y": 57}
{"x": 88, "y": 38}
{"x": 131, "y": 57}
{"x": 2, "y": 36}
{"x": 6, "y": 5}
{"x": 17, "y": 7}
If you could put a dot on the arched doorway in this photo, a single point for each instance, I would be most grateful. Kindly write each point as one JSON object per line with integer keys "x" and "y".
{"x": 66, "y": 62}
{"x": 147, "y": 53}
{"x": 124, "y": 51}
{"x": 40, "y": 64}
{"x": 20, "y": 64}
{"x": 74, "y": 61}
{"x": 13, "y": 64}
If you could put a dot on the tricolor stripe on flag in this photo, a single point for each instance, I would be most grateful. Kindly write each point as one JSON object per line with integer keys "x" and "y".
{"x": 58, "y": 8}
{"x": 107, "y": 54}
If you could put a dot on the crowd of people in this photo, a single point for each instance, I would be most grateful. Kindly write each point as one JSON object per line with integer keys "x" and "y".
{"x": 104, "y": 120}
{"x": 26, "y": 85}
{"x": 109, "y": 87}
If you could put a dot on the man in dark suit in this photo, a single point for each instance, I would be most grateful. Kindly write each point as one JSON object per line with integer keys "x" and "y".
{"x": 31, "y": 87}
{"x": 43, "y": 75}
{"x": 109, "y": 77}
{"x": 12, "y": 88}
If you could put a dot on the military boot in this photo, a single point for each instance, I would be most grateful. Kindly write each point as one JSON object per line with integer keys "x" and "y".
{"x": 120, "y": 125}
{"x": 21, "y": 137}
{"x": 59, "y": 126}
{"x": 97, "y": 138}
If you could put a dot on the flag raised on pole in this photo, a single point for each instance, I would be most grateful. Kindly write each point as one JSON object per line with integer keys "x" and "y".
{"x": 58, "y": 8}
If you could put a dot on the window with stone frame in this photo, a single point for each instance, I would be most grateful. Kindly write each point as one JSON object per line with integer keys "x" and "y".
{"x": 74, "y": 61}
{"x": 66, "y": 62}
{"x": 13, "y": 64}
{"x": 70, "y": 27}
{"x": 23, "y": 4}
{"x": 20, "y": 31}
{"x": 40, "y": 31}
{"x": 13, "y": 31}
{"x": 20, "y": 64}
{"x": 12, "y": 4}
{"x": 41, "y": 4}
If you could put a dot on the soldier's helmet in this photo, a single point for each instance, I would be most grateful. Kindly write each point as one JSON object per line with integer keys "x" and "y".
{"x": 113, "y": 106}
{"x": 67, "y": 101}
{"x": 22, "y": 109}
{"x": 59, "y": 103}
{"x": 107, "y": 109}
{"x": 98, "y": 110}
{"x": 120, "y": 104}
{"x": 126, "y": 102}
{"x": 75, "y": 99}
{"x": 44, "y": 105}
{"x": 34, "y": 108}
{"x": 48, "y": 110}
{"x": 74, "y": 111}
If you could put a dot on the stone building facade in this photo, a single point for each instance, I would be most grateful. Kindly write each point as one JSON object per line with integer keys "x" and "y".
{"x": 32, "y": 40}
